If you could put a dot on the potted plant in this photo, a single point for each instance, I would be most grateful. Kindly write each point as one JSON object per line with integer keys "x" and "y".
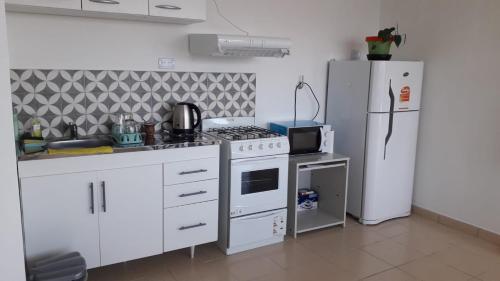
{"x": 379, "y": 46}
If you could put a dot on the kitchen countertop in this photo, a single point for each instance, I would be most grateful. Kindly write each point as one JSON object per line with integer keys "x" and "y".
{"x": 159, "y": 145}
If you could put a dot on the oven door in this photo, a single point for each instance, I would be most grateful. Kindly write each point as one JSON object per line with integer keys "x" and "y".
{"x": 305, "y": 140}
{"x": 258, "y": 185}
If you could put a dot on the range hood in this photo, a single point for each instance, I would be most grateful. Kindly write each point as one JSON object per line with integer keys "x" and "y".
{"x": 238, "y": 46}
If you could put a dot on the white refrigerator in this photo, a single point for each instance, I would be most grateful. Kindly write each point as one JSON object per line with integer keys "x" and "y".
{"x": 374, "y": 107}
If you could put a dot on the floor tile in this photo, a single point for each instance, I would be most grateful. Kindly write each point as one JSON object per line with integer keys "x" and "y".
{"x": 492, "y": 274}
{"x": 393, "y": 253}
{"x": 431, "y": 269}
{"x": 466, "y": 261}
{"x": 358, "y": 262}
{"x": 391, "y": 275}
{"x": 253, "y": 268}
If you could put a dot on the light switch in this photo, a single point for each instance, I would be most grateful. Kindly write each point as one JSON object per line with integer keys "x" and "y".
{"x": 166, "y": 63}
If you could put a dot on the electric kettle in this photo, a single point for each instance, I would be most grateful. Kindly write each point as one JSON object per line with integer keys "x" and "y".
{"x": 183, "y": 119}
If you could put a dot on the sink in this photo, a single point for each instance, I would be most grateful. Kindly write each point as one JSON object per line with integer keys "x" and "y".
{"x": 80, "y": 143}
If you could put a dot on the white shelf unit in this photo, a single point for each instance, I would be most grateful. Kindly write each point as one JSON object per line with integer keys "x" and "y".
{"x": 327, "y": 174}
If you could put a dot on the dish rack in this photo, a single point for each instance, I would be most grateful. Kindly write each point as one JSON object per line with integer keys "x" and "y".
{"x": 128, "y": 140}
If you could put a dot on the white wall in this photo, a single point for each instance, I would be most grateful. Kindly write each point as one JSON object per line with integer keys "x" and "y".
{"x": 458, "y": 165}
{"x": 320, "y": 30}
{"x": 11, "y": 243}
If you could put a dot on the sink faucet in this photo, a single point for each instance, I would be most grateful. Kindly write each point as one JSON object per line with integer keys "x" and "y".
{"x": 73, "y": 131}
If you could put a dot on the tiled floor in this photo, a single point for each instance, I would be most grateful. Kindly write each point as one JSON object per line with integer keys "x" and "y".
{"x": 400, "y": 250}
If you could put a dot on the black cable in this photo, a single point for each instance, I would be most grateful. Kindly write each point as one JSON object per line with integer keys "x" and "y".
{"x": 295, "y": 102}
{"x": 317, "y": 101}
{"x": 295, "y": 106}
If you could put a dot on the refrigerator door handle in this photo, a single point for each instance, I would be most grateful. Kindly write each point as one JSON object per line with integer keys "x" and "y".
{"x": 391, "y": 119}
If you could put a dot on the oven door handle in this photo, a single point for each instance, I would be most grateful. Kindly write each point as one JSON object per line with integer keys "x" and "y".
{"x": 259, "y": 159}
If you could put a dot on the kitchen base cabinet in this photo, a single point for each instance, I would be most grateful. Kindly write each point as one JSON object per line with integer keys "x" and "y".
{"x": 190, "y": 225}
{"x": 60, "y": 215}
{"x": 119, "y": 207}
{"x": 109, "y": 217}
{"x": 130, "y": 216}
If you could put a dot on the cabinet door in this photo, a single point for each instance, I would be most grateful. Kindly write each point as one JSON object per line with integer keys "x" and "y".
{"x": 60, "y": 4}
{"x": 194, "y": 10}
{"x": 60, "y": 215}
{"x": 136, "y": 7}
{"x": 130, "y": 213}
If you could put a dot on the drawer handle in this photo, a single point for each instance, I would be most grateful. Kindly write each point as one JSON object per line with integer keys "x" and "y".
{"x": 192, "y": 226}
{"x": 193, "y": 172}
{"x": 168, "y": 7}
{"x": 193, "y": 194}
{"x": 111, "y": 2}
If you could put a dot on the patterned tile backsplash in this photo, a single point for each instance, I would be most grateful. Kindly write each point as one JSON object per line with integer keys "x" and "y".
{"x": 92, "y": 99}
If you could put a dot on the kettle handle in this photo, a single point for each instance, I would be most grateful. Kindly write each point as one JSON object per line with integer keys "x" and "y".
{"x": 198, "y": 115}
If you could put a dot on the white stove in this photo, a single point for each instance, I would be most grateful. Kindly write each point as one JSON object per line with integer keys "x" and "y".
{"x": 254, "y": 184}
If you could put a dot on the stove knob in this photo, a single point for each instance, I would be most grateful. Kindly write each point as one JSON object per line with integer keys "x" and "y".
{"x": 278, "y": 144}
{"x": 242, "y": 148}
{"x": 250, "y": 147}
{"x": 271, "y": 146}
{"x": 261, "y": 146}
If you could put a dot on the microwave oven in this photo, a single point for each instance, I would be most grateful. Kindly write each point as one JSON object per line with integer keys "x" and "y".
{"x": 306, "y": 136}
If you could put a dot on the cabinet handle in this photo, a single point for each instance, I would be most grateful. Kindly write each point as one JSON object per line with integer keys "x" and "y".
{"x": 193, "y": 172}
{"x": 193, "y": 194}
{"x": 192, "y": 226}
{"x": 111, "y": 2}
{"x": 168, "y": 7}
{"x": 92, "y": 208}
{"x": 103, "y": 185}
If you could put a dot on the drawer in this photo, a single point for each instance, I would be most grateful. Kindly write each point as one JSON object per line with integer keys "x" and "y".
{"x": 190, "y": 193}
{"x": 182, "y": 9}
{"x": 190, "y": 225}
{"x": 136, "y": 7}
{"x": 191, "y": 171}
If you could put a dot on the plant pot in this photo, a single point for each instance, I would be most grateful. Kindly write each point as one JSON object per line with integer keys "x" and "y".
{"x": 378, "y": 49}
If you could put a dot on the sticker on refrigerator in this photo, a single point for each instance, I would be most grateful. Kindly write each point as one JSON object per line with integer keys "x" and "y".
{"x": 404, "y": 97}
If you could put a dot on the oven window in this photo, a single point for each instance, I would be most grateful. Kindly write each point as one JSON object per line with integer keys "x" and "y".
{"x": 259, "y": 181}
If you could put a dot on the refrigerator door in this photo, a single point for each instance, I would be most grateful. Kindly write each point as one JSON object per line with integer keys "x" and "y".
{"x": 389, "y": 166}
{"x": 395, "y": 86}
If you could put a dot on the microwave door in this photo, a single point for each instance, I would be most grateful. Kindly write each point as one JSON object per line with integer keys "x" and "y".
{"x": 305, "y": 140}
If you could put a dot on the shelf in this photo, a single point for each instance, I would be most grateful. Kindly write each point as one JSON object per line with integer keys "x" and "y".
{"x": 316, "y": 219}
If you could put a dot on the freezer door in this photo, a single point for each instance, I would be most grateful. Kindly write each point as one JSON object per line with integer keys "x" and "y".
{"x": 389, "y": 166}
{"x": 395, "y": 86}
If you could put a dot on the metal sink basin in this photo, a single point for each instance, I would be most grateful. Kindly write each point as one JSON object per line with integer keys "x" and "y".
{"x": 80, "y": 143}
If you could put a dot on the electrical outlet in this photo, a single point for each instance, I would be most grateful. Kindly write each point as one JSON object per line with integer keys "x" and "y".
{"x": 166, "y": 63}
{"x": 301, "y": 81}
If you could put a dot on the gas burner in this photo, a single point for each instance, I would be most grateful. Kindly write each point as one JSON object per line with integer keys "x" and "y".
{"x": 242, "y": 133}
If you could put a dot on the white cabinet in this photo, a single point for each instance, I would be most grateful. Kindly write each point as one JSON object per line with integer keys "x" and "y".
{"x": 60, "y": 215}
{"x": 130, "y": 213}
{"x": 57, "y": 4}
{"x": 110, "y": 216}
{"x": 191, "y": 225}
{"x": 133, "y": 7}
{"x": 191, "y": 203}
{"x": 168, "y": 11}
{"x": 189, "y": 10}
